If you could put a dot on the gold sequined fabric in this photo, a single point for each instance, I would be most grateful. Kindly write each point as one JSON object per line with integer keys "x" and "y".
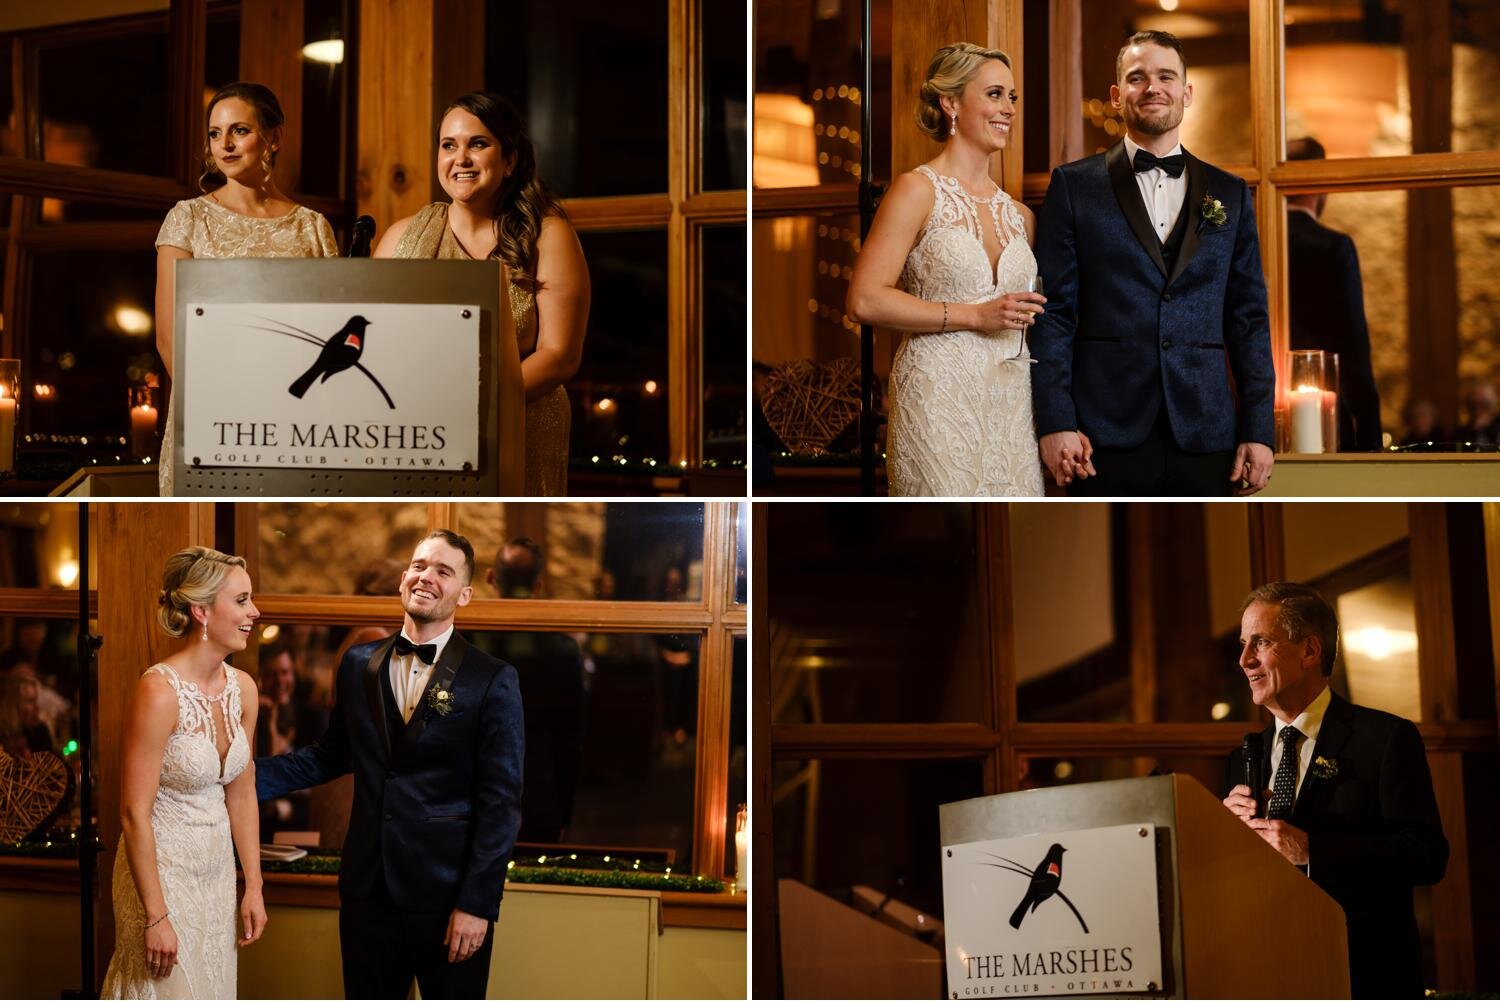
{"x": 548, "y": 419}
{"x": 206, "y": 229}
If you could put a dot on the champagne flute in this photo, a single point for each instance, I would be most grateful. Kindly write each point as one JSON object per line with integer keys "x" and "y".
{"x": 1033, "y": 284}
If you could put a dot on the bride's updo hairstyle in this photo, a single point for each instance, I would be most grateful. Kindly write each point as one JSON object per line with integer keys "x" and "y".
{"x": 192, "y": 576}
{"x": 950, "y": 72}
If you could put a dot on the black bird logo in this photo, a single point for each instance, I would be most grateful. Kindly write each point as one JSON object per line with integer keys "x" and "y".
{"x": 339, "y": 352}
{"x": 1046, "y": 879}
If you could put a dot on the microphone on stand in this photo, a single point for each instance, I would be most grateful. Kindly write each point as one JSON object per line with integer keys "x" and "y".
{"x": 1250, "y": 752}
{"x": 364, "y": 232}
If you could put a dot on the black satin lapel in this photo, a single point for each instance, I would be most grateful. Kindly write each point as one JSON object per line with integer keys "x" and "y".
{"x": 1315, "y": 791}
{"x": 1192, "y": 202}
{"x": 1128, "y": 194}
{"x": 375, "y": 677}
{"x": 441, "y": 677}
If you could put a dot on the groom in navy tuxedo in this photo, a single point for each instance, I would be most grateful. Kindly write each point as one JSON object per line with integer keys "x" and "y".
{"x": 1155, "y": 341}
{"x": 431, "y": 727}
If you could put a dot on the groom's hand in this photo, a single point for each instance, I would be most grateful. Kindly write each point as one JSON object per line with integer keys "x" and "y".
{"x": 465, "y": 935}
{"x": 1066, "y": 454}
{"x": 1252, "y": 468}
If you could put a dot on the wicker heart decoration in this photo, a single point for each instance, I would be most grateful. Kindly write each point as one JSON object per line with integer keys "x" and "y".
{"x": 808, "y": 405}
{"x": 31, "y": 790}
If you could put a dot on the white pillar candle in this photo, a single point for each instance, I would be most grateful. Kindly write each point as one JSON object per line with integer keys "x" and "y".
{"x": 1307, "y": 419}
{"x": 7, "y": 431}
{"x": 142, "y": 430}
{"x": 741, "y": 857}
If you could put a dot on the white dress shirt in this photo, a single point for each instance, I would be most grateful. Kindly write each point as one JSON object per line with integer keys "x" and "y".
{"x": 1162, "y": 193}
{"x": 409, "y": 675}
{"x": 1309, "y": 722}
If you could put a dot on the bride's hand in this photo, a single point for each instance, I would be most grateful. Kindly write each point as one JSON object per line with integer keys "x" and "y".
{"x": 252, "y": 916}
{"x": 1012, "y": 311}
{"x": 161, "y": 949}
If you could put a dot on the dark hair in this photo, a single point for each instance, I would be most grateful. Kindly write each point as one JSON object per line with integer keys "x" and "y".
{"x": 1165, "y": 39}
{"x": 524, "y": 200}
{"x": 267, "y": 113}
{"x": 519, "y": 575}
{"x": 1300, "y": 612}
{"x": 1306, "y": 148}
{"x": 460, "y": 543}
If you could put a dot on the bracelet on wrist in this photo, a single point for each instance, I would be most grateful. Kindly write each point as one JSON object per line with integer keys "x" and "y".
{"x": 944, "y": 328}
{"x": 158, "y": 921}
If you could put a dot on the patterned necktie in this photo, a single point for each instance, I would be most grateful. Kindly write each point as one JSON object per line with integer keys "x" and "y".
{"x": 1284, "y": 788}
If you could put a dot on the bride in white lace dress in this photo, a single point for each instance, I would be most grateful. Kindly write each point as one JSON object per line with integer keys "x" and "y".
{"x": 948, "y": 260}
{"x": 188, "y": 795}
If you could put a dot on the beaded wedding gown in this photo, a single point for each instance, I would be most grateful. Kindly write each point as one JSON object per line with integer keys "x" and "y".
{"x": 960, "y": 413}
{"x": 194, "y": 854}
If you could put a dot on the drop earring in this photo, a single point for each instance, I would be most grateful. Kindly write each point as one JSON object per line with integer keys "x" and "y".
{"x": 953, "y": 129}
{"x": 205, "y": 630}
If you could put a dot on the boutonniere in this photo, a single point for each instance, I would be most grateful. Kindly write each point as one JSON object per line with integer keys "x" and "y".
{"x": 1213, "y": 211}
{"x": 440, "y": 701}
{"x": 1324, "y": 768}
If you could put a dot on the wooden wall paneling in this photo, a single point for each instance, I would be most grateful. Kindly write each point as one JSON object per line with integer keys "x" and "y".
{"x": 457, "y": 35}
{"x": 766, "y": 203}
{"x": 132, "y": 544}
{"x": 715, "y": 698}
{"x": 1268, "y": 127}
{"x": 13, "y": 289}
{"x": 1065, "y": 72}
{"x": 1420, "y": 170}
{"x": 271, "y": 39}
{"x": 489, "y": 613}
{"x": 684, "y": 336}
{"x": 444, "y": 514}
{"x": 764, "y": 915}
{"x": 1432, "y": 600}
{"x": 1492, "y": 566}
{"x": 918, "y": 29}
{"x": 999, "y": 664}
{"x": 1452, "y": 921}
{"x": 187, "y": 21}
{"x": 1142, "y": 604}
{"x": 1267, "y": 543}
{"x": 1006, "y": 32}
{"x": 91, "y": 184}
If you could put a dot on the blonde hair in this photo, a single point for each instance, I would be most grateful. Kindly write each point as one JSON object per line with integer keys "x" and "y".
{"x": 192, "y": 576}
{"x": 953, "y": 66}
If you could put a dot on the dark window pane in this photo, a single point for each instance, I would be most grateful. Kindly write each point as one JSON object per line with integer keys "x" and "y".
{"x": 741, "y": 552}
{"x": 1357, "y": 83}
{"x": 558, "y": 61}
{"x": 80, "y": 129}
{"x": 723, "y": 59}
{"x": 39, "y": 669}
{"x": 86, "y": 342}
{"x": 876, "y": 613}
{"x": 619, "y": 396}
{"x": 324, "y": 100}
{"x": 619, "y": 551}
{"x": 373, "y": 543}
{"x": 56, "y": 210}
{"x": 1046, "y": 772}
{"x": 10, "y": 136}
{"x": 825, "y": 835}
{"x": 724, "y": 311}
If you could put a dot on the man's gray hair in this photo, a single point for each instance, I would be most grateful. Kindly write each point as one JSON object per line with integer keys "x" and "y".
{"x": 1300, "y": 612}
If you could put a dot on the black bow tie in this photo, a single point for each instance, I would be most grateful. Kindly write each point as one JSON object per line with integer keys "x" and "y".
{"x": 426, "y": 651}
{"x": 1145, "y": 161}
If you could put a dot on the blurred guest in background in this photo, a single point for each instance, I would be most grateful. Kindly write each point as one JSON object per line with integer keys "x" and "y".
{"x": 1483, "y": 427}
{"x": 1422, "y": 426}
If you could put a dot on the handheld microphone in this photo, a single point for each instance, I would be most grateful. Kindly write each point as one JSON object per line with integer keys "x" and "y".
{"x": 364, "y": 232}
{"x": 1250, "y": 753}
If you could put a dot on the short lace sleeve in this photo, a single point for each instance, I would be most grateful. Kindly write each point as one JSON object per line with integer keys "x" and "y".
{"x": 328, "y": 246}
{"x": 177, "y": 229}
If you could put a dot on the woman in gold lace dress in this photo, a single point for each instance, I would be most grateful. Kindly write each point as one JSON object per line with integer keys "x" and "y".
{"x": 501, "y": 211}
{"x": 242, "y": 212}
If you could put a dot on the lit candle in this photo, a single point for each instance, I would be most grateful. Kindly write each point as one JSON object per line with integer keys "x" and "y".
{"x": 1307, "y": 419}
{"x": 7, "y": 430}
{"x": 142, "y": 430}
{"x": 741, "y": 849}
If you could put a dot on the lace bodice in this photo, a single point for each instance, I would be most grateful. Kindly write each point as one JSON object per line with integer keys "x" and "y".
{"x": 960, "y": 407}
{"x": 194, "y": 852}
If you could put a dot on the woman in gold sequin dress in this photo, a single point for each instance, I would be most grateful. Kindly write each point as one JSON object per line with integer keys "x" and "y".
{"x": 501, "y": 211}
{"x": 242, "y": 213}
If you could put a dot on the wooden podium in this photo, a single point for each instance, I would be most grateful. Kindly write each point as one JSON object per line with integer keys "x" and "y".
{"x": 1236, "y": 919}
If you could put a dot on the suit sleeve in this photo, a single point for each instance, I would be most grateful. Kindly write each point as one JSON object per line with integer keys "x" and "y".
{"x": 497, "y": 796}
{"x": 1052, "y": 337}
{"x": 324, "y": 760}
{"x": 1356, "y": 374}
{"x": 1247, "y": 331}
{"x": 1409, "y": 845}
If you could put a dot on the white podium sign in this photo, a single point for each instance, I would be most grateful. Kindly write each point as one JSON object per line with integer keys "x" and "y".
{"x": 332, "y": 386}
{"x": 1060, "y": 914}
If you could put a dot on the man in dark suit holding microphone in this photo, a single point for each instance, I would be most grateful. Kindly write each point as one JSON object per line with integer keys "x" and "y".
{"x": 432, "y": 730}
{"x": 1156, "y": 300}
{"x": 1350, "y": 795}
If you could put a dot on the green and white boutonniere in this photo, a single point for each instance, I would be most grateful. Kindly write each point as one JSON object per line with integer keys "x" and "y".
{"x": 1213, "y": 211}
{"x": 1324, "y": 768}
{"x": 440, "y": 701}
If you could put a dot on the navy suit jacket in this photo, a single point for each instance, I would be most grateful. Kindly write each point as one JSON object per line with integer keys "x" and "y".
{"x": 1121, "y": 338}
{"x": 1373, "y": 833}
{"x": 437, "y": 801}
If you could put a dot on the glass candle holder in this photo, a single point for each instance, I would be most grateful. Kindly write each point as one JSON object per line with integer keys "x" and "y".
{"x": 741, "y": 847}
{"x": 1311, "y": 400}
{"x": 144, "y": 410}
{"x": 10, "y": 404}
